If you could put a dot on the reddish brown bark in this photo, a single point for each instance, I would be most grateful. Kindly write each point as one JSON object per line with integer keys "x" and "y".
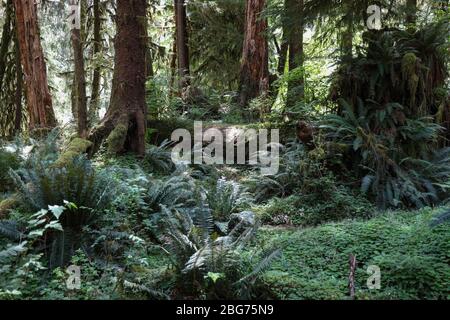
{"x": 5, "y": 40}
{"x": 39, "y": 100}
{"x": 254, "y": 75}
{"x": 19, "y": 88}
{"x": 125, "y": 121}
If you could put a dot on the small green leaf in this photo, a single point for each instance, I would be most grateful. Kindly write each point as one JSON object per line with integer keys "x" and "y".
{"x": 214, "y": 276}
{"x": 56, "y": 210}
{"x": 54, "y": 225}
{"x": 70, "y": 205}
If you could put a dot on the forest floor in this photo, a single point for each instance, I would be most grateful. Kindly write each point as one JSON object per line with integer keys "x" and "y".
{"x": 316, "y": 231}
{"x": 413, "y": 257}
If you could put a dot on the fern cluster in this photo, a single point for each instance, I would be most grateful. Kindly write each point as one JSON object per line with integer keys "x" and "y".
{"x": 389, "y": 154}
{"x": 210, "y": 267}
{"x": 42, "y": 185}
{"x": 226, "y": 198}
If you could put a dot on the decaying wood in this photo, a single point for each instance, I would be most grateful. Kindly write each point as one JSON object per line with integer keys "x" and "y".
{"x": 351, "y": 277}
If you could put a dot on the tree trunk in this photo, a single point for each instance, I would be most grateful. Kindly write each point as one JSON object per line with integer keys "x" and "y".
{"x": 124, "y": 124}
{"x": 411, "y": 12}
{"x": 19, "y": 88}
{"x": 95, "y": 89}
{"x": 39, "y": 100}
{"x": 254, "y": 74}
{"x": 283, "y": 53}
{"x": 347, "y": 34}
{"x": 296, "y": 90}
{"x": 80, "y": 78}
{"x": 148, "y": 54}
{"x": 182, "y": 43}
{"x": 5, "y": 40}
{"x": 173, "y": 66}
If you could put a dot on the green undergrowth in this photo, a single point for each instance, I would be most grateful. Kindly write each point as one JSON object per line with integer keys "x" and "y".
{"x": 414, "y": 258}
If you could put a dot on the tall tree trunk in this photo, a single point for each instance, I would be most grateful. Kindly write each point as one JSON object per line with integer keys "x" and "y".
{"x": 39, "y": 100}
{"x": 347, "y": 33}
{"x": 173, "y": 66}
{"x": 124, "y": 124}
{"x": 80, "y": 77}
{"x": 182, "y": 43}
{"x": 296, "y": 90}
{"x": 19, "y": 88}
{"x": 254, "y": 74}
{"x": 148, "y": 53}
{"x": 5, "y": 40}
{"x": 95, "y": 89}
{"x": 283, "y": 52}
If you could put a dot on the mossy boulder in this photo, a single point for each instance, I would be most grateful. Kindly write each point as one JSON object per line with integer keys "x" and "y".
{"x": 75, "y": 148}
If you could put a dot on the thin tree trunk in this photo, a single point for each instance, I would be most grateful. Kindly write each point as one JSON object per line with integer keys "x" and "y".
{"x": 283, "y": 56}
{"x": 173, "y": 66}
{"x": 347, "y": 34}
{"x": 285, "y": 39}
{"x": 182, "y": 43}
{"x": 39, "y": 100}
{"x": 254, "y": 74}
{"x": 80, "y": 100}
{"x": 296, "y": 90}
{"x": 5, "y": 40}
{"x": 148, "y": 55}
{"x": 124, "y": 124}
{"x": 80, "y": 83}
{"x": 95, "y": 89}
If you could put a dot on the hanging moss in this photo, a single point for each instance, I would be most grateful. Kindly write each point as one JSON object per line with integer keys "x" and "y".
{"x": 75, "y": 148}
{"x": 409, "y": 67}
{"x": 409, "y": 64}
{"x": 116, "y": 138}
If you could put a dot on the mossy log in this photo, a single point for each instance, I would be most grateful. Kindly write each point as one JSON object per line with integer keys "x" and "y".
{"x": 75, "y": 148}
